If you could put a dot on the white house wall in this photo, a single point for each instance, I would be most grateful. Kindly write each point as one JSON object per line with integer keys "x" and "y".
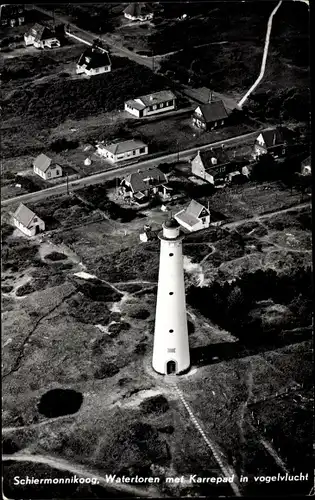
{"x": 122, "y": 156}
{"x": 157, "y": 111}
{"x": 132, "y": 111}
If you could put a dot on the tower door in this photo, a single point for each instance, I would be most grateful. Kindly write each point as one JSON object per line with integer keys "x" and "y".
{"x": 171, "y": 368}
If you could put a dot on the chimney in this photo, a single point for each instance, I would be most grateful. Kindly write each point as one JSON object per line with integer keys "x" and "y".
{"x": 151, "y": 97}
{"x": 274, "y": 139}
{"x": 211, "y": 96}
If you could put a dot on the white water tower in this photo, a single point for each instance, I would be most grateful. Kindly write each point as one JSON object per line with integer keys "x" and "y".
{"x": 171, "y": 344}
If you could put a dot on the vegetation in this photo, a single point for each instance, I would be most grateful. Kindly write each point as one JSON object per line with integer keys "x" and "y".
{"x": 106, "y": 370}
{"x": 138, "y": 262}
{"x": 18, "y": 255}
{"x": 84, "y": 97}
{"x": 155, "y": 404}
{"x": 56, "y": 256}
{"x": 88, "y": 311}
{"x": 230, "y": 305}
{"x": 96, "y": 290}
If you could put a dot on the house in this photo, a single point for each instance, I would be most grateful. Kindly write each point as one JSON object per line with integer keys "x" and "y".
{"x": 119, "y": 151}
{"x": 194, "y": 217}
{"x": 27, "y": 221}
{"x": 272, "y": 140}
{"x": 306, "y": 167}
{"x": 152, "y": 104}
{"x": 41, "y": 36}
{"x": 211, "y": 166}
{"x": 46, "y": 168}
{"x": 94, "y": 61}
{"x": 12, "y": 15}
{"x": 210, "y": 115}
{"x": 140, "y": 186}
{"x": 138, "y": 11}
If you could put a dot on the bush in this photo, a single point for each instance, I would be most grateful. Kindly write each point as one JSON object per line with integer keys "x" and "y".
{"x": 97, "y": 291}
{"x": 155, "y": 404}
{"x": 106, "y": 370}
{"x": 89, "y": 312}
{"x": 116, "y": 328}
{"x": 56, "y": 256}
{"x": 138, "y": 313}
{"x": 62, "y": 144}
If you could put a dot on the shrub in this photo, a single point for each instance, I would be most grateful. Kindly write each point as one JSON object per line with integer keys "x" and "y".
{"x": 56, "y": 256}
{"x": 106, "y": 370}
{"x": 155, "y": 404}
{"x": 116, "y": 328}
{"x": 138, "y": 312}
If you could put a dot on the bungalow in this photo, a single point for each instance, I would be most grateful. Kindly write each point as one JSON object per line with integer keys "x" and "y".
{"x": 306, "y": 167}
{"x": 27, "y": 221}
{"x": 46, "y": 168}
{"x": 41, "y": 36}
{"x": 152, "y": 104}
{"x": 272, "y": 140}
{"x": 211, "y": 166}
{"x": 119, "y": 151}
{"x": 210, "y": 115}
{"x": 94, "y": 61}
{"x": 194, "y": 217}
{"x": 140, "y": 186}
{"x": 138, "y": 11}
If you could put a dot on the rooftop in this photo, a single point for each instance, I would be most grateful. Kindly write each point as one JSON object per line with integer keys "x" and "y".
{"x": 221, "y": 156}
{"x": 24, "y": 215}
{"x": 122, "y": 147}
{"x": 140, "y": 181}
{"x": 213, "y": 111}
{"x": 42, "y": 162}
{"x": 154, "y": 98}
{"x": 94, "y": 57}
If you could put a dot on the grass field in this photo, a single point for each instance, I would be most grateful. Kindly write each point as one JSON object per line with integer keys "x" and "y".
{"x": 104, "y": 353}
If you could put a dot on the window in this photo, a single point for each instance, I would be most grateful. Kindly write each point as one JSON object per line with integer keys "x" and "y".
{"x": 171, "y": 331}
{"x": 142, "y": 150}
{"x": 171, "y": 349}
{"x": 49, "y": 174}
{"x": 154, "y": 107}
{"x": 171, "y": 254}
{"x": 134, "y": 152}
{"x": 222, "y": 122}
{"x": 162, "y": 105}
{"x": 97, "y": 70}
{"x": 171, "y": 293}
{"x": 57, "y": 172}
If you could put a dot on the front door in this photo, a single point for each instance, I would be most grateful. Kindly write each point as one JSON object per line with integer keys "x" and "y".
{"x": 171, "y": 368}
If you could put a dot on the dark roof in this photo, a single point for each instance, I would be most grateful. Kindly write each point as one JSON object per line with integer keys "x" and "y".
{"x": 24, "y": 215}
{"x": 137, "y": 9}
{"x": 274, "y": 136}
{"x": 94, "y": 58}
{"x": 213, "y": 111}
{"x": 140, "y": 181}
{"x": 40, "y": 32}
{"x": 219, "y": 154}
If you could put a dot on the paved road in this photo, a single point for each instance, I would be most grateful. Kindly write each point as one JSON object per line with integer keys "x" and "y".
{"x": 90, "y": 37}
{"x": 123, "y": 170}
{"x": 79, "y": 470}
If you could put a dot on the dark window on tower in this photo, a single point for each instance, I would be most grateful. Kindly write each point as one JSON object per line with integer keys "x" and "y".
{"x": 171, "y": 349}
{"x": 171, "y": 254}
{"x": 171, "y": 331}
{"x": 171, "y": 293}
